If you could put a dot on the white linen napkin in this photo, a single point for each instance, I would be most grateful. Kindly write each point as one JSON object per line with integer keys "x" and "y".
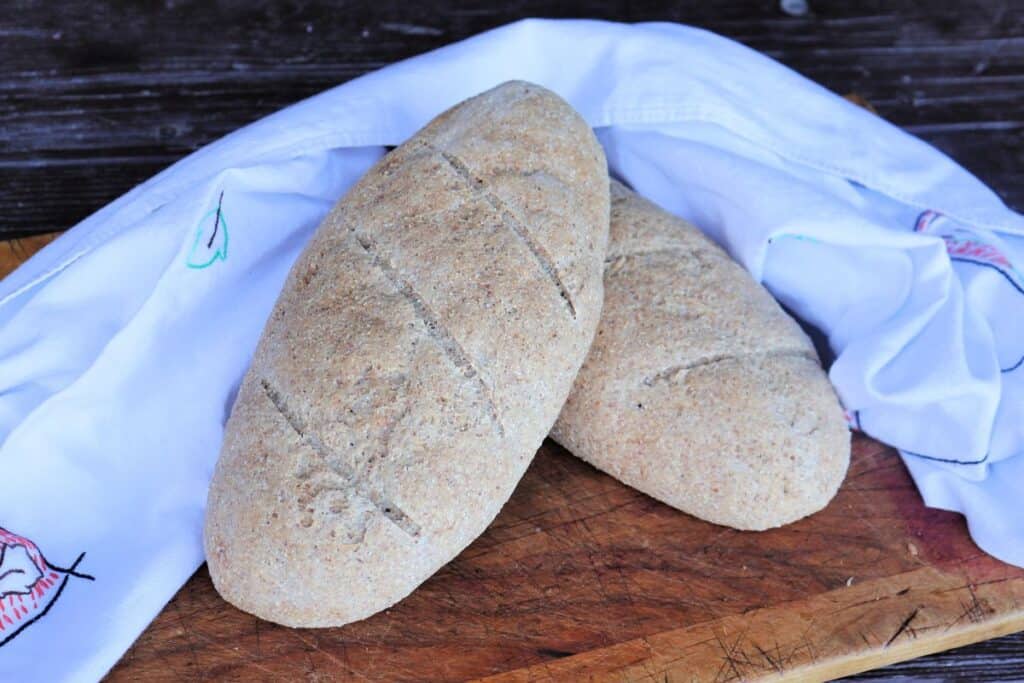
{"x": 122, "y": 343}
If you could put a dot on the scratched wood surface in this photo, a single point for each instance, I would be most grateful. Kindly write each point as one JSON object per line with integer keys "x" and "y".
{"x": 95, "y": 97}
{"x": 583, "y": 577}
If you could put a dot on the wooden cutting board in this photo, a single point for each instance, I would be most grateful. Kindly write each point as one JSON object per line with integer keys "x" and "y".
{"x": 580, "y": 577}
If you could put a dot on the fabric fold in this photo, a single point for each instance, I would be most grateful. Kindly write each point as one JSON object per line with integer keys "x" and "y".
{"x": 123, "y": 341}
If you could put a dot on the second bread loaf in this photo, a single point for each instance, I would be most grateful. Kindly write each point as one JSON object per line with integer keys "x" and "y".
{"x": 699, "y": 390}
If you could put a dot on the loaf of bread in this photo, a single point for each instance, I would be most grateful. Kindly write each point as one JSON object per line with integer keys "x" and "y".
{"x": 419, "y": 353}
{"x": 699, "y": 390}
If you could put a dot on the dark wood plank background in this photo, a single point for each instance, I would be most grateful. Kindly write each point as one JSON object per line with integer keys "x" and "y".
{"x": 97, "y": 96}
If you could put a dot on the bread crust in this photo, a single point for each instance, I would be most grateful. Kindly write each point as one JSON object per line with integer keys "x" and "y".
{"x": 421, "y": 349}
{"x": 699, "y": 390}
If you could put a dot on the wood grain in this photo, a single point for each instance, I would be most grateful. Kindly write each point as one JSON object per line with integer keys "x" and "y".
{"x": 581, "y": 577}
{"x": 15, "y": 252}
{"x": 95, "y": 97}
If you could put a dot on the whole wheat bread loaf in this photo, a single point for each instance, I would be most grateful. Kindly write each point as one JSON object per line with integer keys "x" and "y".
{"x": 420, "y": 351}
{"x": 699, "y": 390}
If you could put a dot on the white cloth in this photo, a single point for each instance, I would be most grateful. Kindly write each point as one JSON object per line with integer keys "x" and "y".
{"x": 122, "y": 343}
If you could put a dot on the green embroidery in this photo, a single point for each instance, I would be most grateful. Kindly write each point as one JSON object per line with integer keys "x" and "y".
{"x": 211, "y": 240}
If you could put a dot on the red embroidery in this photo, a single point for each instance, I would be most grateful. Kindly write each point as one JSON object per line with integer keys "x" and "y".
{"x": 24, "y": 572}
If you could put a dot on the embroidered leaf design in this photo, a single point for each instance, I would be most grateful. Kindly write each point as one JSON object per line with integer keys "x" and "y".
{"x": 211, "y": 240}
